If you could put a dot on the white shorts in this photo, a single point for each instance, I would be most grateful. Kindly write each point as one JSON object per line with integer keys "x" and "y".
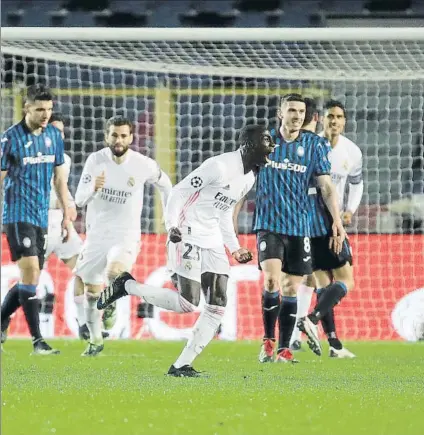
{"x": 191, "y": 261}
{"x": 55, "y": 245}
{"x": 96, "y": 255}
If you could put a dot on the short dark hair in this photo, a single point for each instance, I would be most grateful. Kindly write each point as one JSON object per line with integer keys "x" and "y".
{"x": 335, "y": 103}
{"x": 291, "y": 97}
{"x": 249, "y": 134}
{"x": 57, "y": 117}
{"x": 38, "y": 92}
{"x": 311, "y": 110}
{"x": 118, "y": 121}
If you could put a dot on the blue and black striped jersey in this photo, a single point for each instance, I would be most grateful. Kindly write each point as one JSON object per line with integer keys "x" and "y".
{"x": 320, "y": 217}
{"x": 29, "y": 161}
{"x": 282, "y": 204}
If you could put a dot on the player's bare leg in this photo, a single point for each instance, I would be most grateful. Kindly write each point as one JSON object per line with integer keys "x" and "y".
{"x": 270, "y": 306}
{"x": 337, "y": 350}
{"x": 304, "y": 298}
{"x": 93, "y": 318}
{"x": 214, "y": 287}
{"x": 287, "y": 316}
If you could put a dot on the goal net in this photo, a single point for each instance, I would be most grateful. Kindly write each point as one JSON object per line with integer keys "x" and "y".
{"x": 188, "y": 92}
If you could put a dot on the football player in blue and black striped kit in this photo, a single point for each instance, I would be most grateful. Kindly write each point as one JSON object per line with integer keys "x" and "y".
{"x": 32, "y": 152}
{"x": 282, "y": 222}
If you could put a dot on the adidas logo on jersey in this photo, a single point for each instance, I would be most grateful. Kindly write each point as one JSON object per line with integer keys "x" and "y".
{"x": 287, "y": 165}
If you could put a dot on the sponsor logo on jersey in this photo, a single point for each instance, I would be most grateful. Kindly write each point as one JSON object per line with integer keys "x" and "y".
{"x": 223, "y": 202}
{"x": 40, "y": 158}
{"x": 114, "y": 195}
{"x": 287, "y": 165}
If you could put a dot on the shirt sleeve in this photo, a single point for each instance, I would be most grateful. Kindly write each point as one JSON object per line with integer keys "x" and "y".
{"x": 186, "y": 190}
{"x": 6, "y": 156}
{"x": 355, "y": 175}
{"x": 322, "y": 158}
{"x": 60, "y": 150}
{"x": 85, "y": 190}
{"x": 153, "y": 170}
{"x": 228, "y": 232}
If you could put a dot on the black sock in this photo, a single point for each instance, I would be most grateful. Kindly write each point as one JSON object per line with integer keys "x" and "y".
{"x": 330, "y": 297}
{"x": 286, "y": 320}
{"x": 9, "y": 306}
{"x": 270, "y": 309}
{"x": 30, "y": 305}
{"x": 329, "y": 325}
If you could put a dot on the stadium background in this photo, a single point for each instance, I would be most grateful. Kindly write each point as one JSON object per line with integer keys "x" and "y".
{"x": 183, "y": 119}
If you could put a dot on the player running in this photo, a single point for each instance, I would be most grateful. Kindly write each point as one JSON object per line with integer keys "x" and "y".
{"x": 282, "y": 223}
{"x": 112, "y": 186}
{"x": 32, "y": 153}
{"x": 199, "y": 224}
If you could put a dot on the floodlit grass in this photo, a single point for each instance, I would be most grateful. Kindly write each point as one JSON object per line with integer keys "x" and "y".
{"x": 125, "y": 391}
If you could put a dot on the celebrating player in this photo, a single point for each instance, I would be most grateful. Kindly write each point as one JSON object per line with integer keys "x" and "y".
{"x": 282, "y": 223}
{"x": 333, "y": 271}
{"x": 32, "y": 152}
{"x": 199, "y": 224}
{"x": 112, "y": 185}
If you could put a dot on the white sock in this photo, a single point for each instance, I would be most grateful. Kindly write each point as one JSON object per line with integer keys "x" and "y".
{"x": 203, "y": 332}
{"x": 160, "y": 297}
{"x": 93, "y": 319}
{"x": 304, "y": 298}
{"x": 79, "y": 304}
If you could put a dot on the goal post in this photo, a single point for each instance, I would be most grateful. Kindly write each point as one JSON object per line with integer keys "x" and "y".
{"x": 189, "y": 91}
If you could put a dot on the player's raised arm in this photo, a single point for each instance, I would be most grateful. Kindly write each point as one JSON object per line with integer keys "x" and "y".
{"x": 88, "y": 184}
{"x": 356, "y": 188}
{"x": 184, "y": 194}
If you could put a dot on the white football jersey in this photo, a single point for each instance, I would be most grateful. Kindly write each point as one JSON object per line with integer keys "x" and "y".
{"x": 346, "y": 163}
{"x": 53, "y": 196}
{"x": 201, "y": 205}
{"x": 115, "y": 210}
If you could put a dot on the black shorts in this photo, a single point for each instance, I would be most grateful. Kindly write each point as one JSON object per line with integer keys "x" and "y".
{"x": 323, "y": 258}
{"x": 26, "y": 240}
{"x": 293, "y": 251}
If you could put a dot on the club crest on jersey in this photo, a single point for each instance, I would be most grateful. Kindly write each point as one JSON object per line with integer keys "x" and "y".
{"x": 300, "y": 151}
{"x": 48, "y": 142}
{"x": 131, "y": 181}
{"x": 196, "y": 182}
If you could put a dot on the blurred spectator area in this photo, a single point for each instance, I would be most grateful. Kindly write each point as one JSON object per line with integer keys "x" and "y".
{"x": 212, "y": 13}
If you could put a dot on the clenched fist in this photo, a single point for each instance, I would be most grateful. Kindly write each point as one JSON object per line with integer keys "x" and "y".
{"x": 174, "y": 235}
{"x": 242, "y": 255}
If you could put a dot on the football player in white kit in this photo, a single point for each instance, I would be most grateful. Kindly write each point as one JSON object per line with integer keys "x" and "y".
{"x": 199, "y": 223}
{"x": 112, "y": 186}
{"x": 346, "y": 167}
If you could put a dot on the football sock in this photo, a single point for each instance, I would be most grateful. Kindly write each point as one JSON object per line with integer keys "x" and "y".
{"x": 30, "y": 305}
{"x": 329, "y": 325}
{"x": 304, "y": 298}
{"x": 270, "y": 309}
{"x": 93, "y": 319}
{"x": 203, "y": 332}
{"x": 160, "y": 297}
{"x": 79, "y": 304}
{"x": 286, "y": 320}
{"x": 9, "y": 306}
{"x": 331, "y": 296}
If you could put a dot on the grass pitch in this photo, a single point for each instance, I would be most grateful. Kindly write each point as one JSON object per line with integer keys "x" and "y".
{"x": 125, "y": 391}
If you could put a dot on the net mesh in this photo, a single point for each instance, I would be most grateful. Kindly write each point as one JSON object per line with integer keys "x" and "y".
{"x": 188, "y": 99}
